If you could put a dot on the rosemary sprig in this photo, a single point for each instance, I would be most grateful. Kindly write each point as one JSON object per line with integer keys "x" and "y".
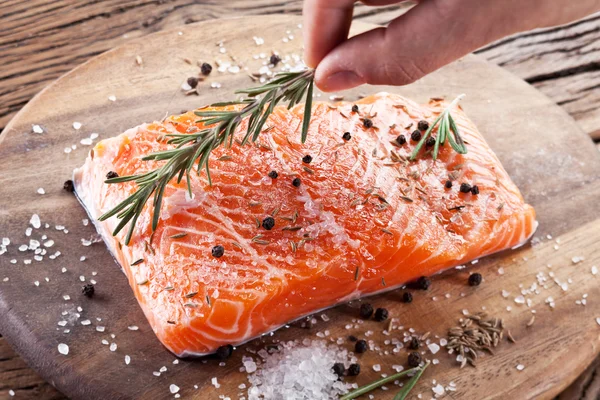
{"x": 219, "y": 128}
{"x": 418, "y": 371}
{"x": 447, "y": 129}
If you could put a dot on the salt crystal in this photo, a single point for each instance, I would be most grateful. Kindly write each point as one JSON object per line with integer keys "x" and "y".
{"x": 215, "y": 85}
{"x": 86, "y": 141}
{"x": 100, "y": 328}
{"x": 438, "y": 390}
{"x": 35, "y": 221}
{"x": 62, "y": 323}
{"x": 23, "y": 247}
{"x": 37, "y": 129}
{"x": 500, "y": 271}
{"x": 86, "y": 322}
{"x": 185, "y": 86}
{"x": 598, "y": 320}
{"x": 67, "y": 150}
{"x": 105, "y": 342}
{"x": 41, "y": 191}
{"x": 520, "y": 300}
{"x": 36, "y": 283}
{"x": 215, "y": 383}
{"x": 505, "y": 294}
{"x": 156, "y": 373}
{"x": 520, "y": 367}
{"x": 112, "y": 98}
{"x": 163, "y": 369}
{"x": 49, "y": 243}
{"x": 5, "y": 241}
{"x": 443, "y": 342}
{"x": 82, "y": 258}
{"x": 132, "y": 328}
{"x": 127, "y": 360}
{"x": 594, "y": 270}
{"x": 63, "y": 349}
{"x": 94, "y": 136}
{"x": 173, "y": 388}
{"x": 577, "y": 259}
{"x": 377, "y": 367}
{"x": 433, "y": 347}
{"x": 11, "y": 392}
{"x": 113, "y": 347}
{"x": 175, "y": 361}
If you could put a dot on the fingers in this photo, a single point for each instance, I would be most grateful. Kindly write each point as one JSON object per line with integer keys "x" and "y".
{"x": 427, "y": 37}
{"x": 326, "y": 25}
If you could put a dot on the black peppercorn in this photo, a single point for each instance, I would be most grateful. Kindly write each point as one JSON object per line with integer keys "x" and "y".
{"x": 218, "y": 251}
{"x": 475, "y": 189}
{"x": 352, "y": 338}
{"x": 354, "y": 370}
{"x": 448, "y": 184}
{"x": 88, "y": 290}
{"x": 268, "y": 223}
{"x": 414, "y": 359}
{"x": 112, "y": 174}
{"x": 296, "y": 182}
{"x": 465, "y": 188}
{"x": 275, "y": 59}
{"x": 338, "y": 369}
{"x": 366, "y": 310}
{"x": 206, "y": 68}
{"x": 192, "y": 81}
{"x": 407, "y": 297}
{"x": 68, "y": 186}
{"x": 367, "y": 123}
{"x": 423, "y": 283}
{"x": 224, "y": 352}
{"x": 346, "y": 136}
{"x": 381, "y": 314}
{"x": 355, "y": 108}
{"x": 430, "y": 142}
{"x": 360, "y": 346}
{"x": 415, "y": 136}
{"x": 414, "y": 343}
{"x": 401, "y": 140}
{"x": 307, "y": 159}
{"x": 423, "y": 125}
{"x": 475, "y": 279}
{"x": 273, "y": 174}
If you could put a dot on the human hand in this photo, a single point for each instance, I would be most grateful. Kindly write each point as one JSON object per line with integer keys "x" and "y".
{"x": 428, "y": 36}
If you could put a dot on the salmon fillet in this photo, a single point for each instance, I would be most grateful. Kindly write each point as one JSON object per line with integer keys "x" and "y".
{"x": 363, "y": 219}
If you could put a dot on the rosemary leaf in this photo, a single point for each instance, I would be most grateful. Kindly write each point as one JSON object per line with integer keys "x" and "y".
{"x": 401, "y": 395}
{"x": 378, "y": 383}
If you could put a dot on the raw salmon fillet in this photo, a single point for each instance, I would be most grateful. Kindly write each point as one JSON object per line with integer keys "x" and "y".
{"x": 363, "y": 220}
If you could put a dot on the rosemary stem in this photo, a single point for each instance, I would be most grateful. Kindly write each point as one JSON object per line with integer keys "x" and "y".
{"x": 374, "y": 385}
{"x": 401, "y": 395}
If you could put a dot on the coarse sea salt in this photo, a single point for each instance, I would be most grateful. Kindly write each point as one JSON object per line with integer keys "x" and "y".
{"x": 63, "y": 349}
{"x": 173, "y": 388}
{"x": 37, "y": 129}
{"x": 127, "y": 360}
{"x": 299, "y": 372}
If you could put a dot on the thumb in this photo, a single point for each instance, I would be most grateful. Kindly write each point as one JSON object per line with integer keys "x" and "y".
{"x": 422, "y": 40}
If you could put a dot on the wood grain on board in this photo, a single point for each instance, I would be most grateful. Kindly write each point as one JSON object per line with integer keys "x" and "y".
{"x": 29, "y": 387}
{"x": 41, "y": 40}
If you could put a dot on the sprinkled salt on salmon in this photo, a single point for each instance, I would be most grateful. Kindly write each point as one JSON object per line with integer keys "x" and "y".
{"x": 353, "y": 219}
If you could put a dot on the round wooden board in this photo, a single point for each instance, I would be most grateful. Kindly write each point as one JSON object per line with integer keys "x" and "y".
{"x": 555, "y": 165}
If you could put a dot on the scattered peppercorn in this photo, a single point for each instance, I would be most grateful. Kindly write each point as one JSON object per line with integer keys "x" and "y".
{"x": 423, "y": 125}
{"x": 475, "y": 189}
{"x": 224, "y": 352}
{"x": 296, "y": 182}
{"x": 367, "y": 123}
{"x": 275, "y": 59}
{"x": 354, "y": 370}
{"x": 366, "y": 310}
{"x": 475, "y": 279}
{"x": 192, "y": 81}
{"x": 338, "y": 369}
{"x": 401, "y": 139}
{"x": 416, "y": 135}
{"x": 346, "y": 136}
{"x": 112, "y": 174}
{"x": 430, "y": 141}
{"x": 465, "y": 188}
{"x": 414, "y": 359}
{"x": 88, "y": 290}
{"x": 448, "y": 184}
{"x": 407, "y": 297}
{"x": 355, "y": 108}
{"x": 360, "y": 346}
{"x": 352, "y": 338}
{"x": 307, "y": 159}
{"x": 381, "y": 314}
{"x": 273, "y": 174}
{"x": 414, "y": 343}
{"x": 68, "y": 186}
{"x": 423, "y": 283}
{"x": 206, "y": 68}
{"x": 268, "y": 223}
{"x": 218, "y": 251}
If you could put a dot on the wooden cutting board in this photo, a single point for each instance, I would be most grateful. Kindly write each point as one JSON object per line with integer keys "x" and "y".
{"x": 555, "y": 165}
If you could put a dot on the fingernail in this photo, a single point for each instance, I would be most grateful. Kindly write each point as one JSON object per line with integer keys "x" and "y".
{"x": 341, "y": 80}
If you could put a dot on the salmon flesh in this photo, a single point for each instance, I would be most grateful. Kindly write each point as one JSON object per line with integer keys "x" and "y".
{"x": 364, "y": 219}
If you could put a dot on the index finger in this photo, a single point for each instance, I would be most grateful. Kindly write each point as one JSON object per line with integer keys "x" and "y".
{"x": 326, "y": 25}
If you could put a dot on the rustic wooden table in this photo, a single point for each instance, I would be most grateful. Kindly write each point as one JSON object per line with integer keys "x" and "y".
{"x": 42, "y": 39}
